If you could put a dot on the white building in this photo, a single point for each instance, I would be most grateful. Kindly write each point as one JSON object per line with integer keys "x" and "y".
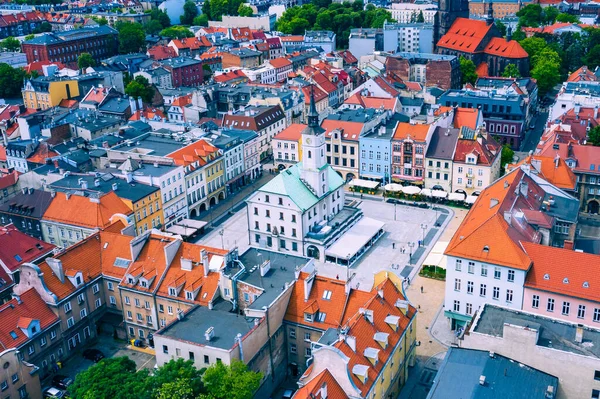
{"x": 405, "y": 13}
{"x": 265, "y": 74}
{"x": 286, "y": 146}
{"x": 572, "y": 94}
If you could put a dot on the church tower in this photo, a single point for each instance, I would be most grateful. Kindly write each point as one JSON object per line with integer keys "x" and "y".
{"x": 448, "y": 11}
{"x": 314, "y": 171}
{"x": 489, "y": 20}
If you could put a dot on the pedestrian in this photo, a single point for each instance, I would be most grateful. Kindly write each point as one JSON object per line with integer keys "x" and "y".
{"x": 393, "y": 245}
{"x": 421, "y": 289}
{"x": 337, "y": 276}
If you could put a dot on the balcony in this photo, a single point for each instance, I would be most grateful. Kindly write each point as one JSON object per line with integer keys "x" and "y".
{"x": 329, "y": 231}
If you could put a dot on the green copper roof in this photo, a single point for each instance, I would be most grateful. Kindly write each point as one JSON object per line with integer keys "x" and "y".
{"x": 288, "y": 183}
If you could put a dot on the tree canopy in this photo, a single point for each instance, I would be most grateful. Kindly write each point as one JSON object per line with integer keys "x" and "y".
{"x": 594, "y": 136}
{"x": 511, "y": 71}
{"x": 176, "y": 32}
{"x": 162, "y": 17}
{"x": 201, "y": 20}
{"x": 467, "y": 71}
{"x": 140, "y": 87}
{"x": 230, "y": 382}
{"x": 85, "y": 60}
{"x": 132, "y": 37}
{"x": 245, "y": 10}
{"x": 190, "y": 11}
{"x": 215, "y": 9}
{"x": 11, "y": 81}
{"x": 11, "y": 44}
{"x": 337, "y": 17}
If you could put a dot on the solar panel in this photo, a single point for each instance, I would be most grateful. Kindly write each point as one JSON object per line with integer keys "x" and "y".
{"x": 120, "y": 262}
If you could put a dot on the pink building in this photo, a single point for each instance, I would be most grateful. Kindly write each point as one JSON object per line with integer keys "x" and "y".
{"x": 563, "y": 284}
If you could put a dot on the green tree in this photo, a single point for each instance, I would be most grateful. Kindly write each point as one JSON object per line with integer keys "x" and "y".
{"x": 467, "y": 71}
{"x": 177, "y": 389}
{"x": 132, "y": 37}
{"x": 162, "y": 17}
{"x": 175, "y": 370}
{"x": 506, "y": 157}
{"x": 201, "y": 20}
{"x": 533, "y": 45}
{"x": 29, "y": 37}
{"x": 592, "y": 58}
{"x": 564, "y": 17}
{"x": 11, "y": 81}
{"x": 501, "y": 27}
{"x": 140, "y": 87}
{"x": 421, "y": 17}
{"x": 231, "y": 382}
{"x": 190, "y": 11}
{"x": 511, "y": 71}
{"x": 530, "y": 15}
{"x": 594, "y": 136}
{"x": 153, "y": 27}
{"x": 245, "y": 11}
{"x": 111, "y": 378}
{"x": 217, "y": 9}
{"x": 11, "y": 44}
{"x": 44, "y": 27}
{"x": 550, "y": 14}
{"x": 547, "y": 74}
{"x": 85, "y": 60}
{"x": 176, "y": 32}
{"x": 100, "y": 20}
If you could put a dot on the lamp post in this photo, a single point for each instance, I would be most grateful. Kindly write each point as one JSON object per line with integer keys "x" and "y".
{"x": 423, "y": 227}
{"x": 410, "y": 247}
{"x": 221, "y": 232}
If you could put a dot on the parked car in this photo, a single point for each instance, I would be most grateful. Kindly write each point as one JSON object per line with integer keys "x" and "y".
{"x": 288, "y": 394}
{"x": 53, "y": 393}
{"x": 93, "y": 354}
{"x": 61, "y": 381}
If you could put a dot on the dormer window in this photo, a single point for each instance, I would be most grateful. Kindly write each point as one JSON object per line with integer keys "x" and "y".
{"x": 172, "y": 291}
{"x": 78, "y": 280}
{"x": 144, "y": 283}
{"x": 308, "y": 317}
{"x": 131, "y": 280}
{"x": 189, "y": 295}
{"x": 327, "y": 294}
{"x": 321, "y": 317}
{"x": 586, "y": 284}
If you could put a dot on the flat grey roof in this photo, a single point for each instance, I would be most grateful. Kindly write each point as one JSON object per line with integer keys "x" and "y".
{"x": 443, "y": 143}
{"x": 282, "y": 271}
{"x": 151, "y": 145}
{"x": 553, "y": 333}
{"x": 226, "y": 326}
{"x": 459, "y": 374}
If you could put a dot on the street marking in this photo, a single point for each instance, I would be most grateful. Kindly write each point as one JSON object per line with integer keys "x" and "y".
{"x": 142, "y": 366}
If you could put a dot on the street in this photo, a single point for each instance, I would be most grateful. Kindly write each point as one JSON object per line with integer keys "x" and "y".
{"x": 532, "y": 136}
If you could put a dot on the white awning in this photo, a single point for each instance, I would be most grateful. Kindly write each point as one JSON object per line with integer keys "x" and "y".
{"x": 411, "y": 190}
{"x": 354, "y": 239}
{"x": 439, "y": 194}
{"x": 436, "y": 257}
{"x": 471, "y": 199}
{"x": 393, "y": 187}
{"x": 364, "y": 183}
{"x": 426, "y": 192}
{"x": 182, "y": 231}
{"x": 456, "y": 197}
{"x": 191, "y": 223}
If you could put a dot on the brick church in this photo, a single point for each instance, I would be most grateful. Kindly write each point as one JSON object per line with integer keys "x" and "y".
{"x": 480, "y": 41}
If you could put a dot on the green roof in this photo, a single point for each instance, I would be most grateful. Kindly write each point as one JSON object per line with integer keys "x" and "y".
{"x": 288, "y": 183}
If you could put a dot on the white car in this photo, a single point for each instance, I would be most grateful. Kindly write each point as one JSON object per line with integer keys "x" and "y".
{"x": 53, "y": 393}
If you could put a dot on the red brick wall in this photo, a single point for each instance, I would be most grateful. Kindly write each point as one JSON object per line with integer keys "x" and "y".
{"x": 98, "y": 47}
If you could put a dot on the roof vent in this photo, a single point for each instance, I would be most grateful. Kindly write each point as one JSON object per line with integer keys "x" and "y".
{"x": 486, "y": 249}
{"x": 209, "y": 333}
{"x": 546, "y": 276}
{"x": 482, "y": 380}
{"x": 565, "y": 281}
{"x": 586, "y": 284}
{"x": 492, "y": 354}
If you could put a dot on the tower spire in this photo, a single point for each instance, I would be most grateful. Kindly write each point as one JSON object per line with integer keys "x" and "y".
{"x": 490, "y": 15}
{"x": 314, "y": 127}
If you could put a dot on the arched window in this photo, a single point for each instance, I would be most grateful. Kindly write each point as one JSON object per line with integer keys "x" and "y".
{"x": 309, "y": 155}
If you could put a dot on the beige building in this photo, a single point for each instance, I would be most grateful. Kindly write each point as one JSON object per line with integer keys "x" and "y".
{"x": 439, "y": 159}
{"x": 556, "y": 347}
{"x": 476, "y": 161}
{"x": 20, "y": 379}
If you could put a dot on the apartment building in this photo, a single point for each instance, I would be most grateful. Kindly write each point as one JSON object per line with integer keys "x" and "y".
{"x": 408, "y": 152}
{"x": 487, "y": 260}
{"x": 24, "y": 376}
{"x": 439, "y": 159}
{"x": 287, "y": 146}
{"x": 70, "y": 218}
{"x": 46, "y": 92}
{"x": 25, "y": 211}
{"x": 204, "y": 169}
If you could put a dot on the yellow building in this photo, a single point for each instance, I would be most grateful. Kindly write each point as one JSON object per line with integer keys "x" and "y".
{"x": 145, "y": 202}
{"x": 287, "y": 145}
{"x": 47, "y": 92}
{"x": 368, "y": 354}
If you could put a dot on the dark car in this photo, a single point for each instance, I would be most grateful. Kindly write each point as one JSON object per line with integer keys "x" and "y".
{"x": 93, "y": 354}
{"x": 61, "y": 381}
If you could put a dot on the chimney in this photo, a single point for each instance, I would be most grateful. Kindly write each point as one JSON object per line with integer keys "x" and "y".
{"x": 550, "y": 392}
{"x": 265, "y": 267}
{"x": 568, "y": 245}
{"x": 324, "y": 391}
{"x": 16, "y": 297}
{"x": 482, "y": 380}
{"x": 204, "y": 260}
{"x": 180, "y": 314}
{"x": 129, "y": 177}
{"x": 96, "y": 182}
{"x": 57, "y": 268}
{"x": 579, "y": 334}
{"x": 67, "y": 196}
{"x": 84, "y": 185}
{"x": 209, "y": 333}
{"x": 132, "y": 105}
{"x": 115, "y": 186}
{"x": 52, "y": 193}
{"x": 186, "y": 264}
{"x": 308, "y": 283}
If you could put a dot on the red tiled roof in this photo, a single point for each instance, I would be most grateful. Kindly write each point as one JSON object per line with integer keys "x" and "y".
{"x": 237, "y": 74}
{"x": 371, "y": 102}
{"x": 553, "y": 170}
{"x": 291, "y": 133}
{"x": 182, "y": 101}
{"x": 148, "y": 113}
{"x": 37, "y": 66}
{"x": 500, "y": 47}
{"x": 587, "y": 157}
{"x": 558, "y": 264}
{"x": 317, "y": 93}
{"x": 465, "y": 35}
{"x": 386, "y": 86}
{"x": 583, "y": 74}
{"x": 280, "y": 62}
{"x": 32, "y": 307}
{"x": 81, "y": 211}
{"x": 312, "y": 390}
{"x": 482, "y": 70}
{"x": 486, "y": 151}
{"x": 200, "y": 151}
{"x": 161, "y": 52}
{"x": 9, "y": 179}
{"x": 2, "y": 153}
{"x": 41, "y": 154}
{"x": 66, "y": 103}
{"x": 191, "y": 43}
{"x": 296, "y": 38}
{"x": 417, "y": 132}
{"x": 350, "y": 130}
{"x": 17, "y": 248}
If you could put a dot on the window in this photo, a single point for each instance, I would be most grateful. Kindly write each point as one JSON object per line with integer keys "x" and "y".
{"x": 292, "y": 333}
{"x": 595, "y": 393}
{"x": 4, "y": 385}
{"x": 581, "y": 311}
{"x": 550, "y": 305}
{"x": 308, "y": 317}
{"x": 165, "y": 349}
{"x": 109, "y": 284}
{"x": 95, "y": 288}
{"x": 307, "y": 336}
{"x": 565, "y": 308}
{"x": 457, "y": 306}
{"x": 535, "y": 301}
{"x": 52, "y": 334}
{"x": 15, "y": 377}
{"x": 112, "y": 300}
{"x": 206, "y": 359}
{"x": 293, "y": 348}
{"x": 469, "y": 307}
{"x": 509, "y": 296}
{"x": 266, "y": 198}
{"x": 70, "y": 322}
{"x": 469, "y": 287}
{"x": 511, "y": 276}
{"x": 457, "y": 284}
{"x": 83, "y": 313}
{"x": 597, "y": 375}
{"x": 458, "y": 265}
{"x": 471, "y": 268}
{"x": 482, "y": 290}
{"x": 43, "y": 341}
{"x": 596, "y": 315}
{"x": 307, "y": 352}
{"x": 129, "y": 315}
{"x": 321, "y": 317}
{"x": 137, "y": 303}
{"x": 496, "y": 293}
{"x": 497, "y": 273}
{"x": 327, "y": 294}
{"x": 483, "y": 271}
{"x": 80, "y": 298}
{"x": 139, "y": 317}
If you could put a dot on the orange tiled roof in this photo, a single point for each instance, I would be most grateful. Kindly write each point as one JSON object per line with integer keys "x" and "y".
{"x": 161, "y": 52}
{"x": 312, "y": 390}
{"x": 486, "y": 150}
{"x": 192, "y": 43}
{"x": 17, "y": 315}
{"x": 291, "y": 133}
{"x": 148, "y": 113}
{"x": 296, "y": 38}
{"x": 2, "y": 153}
{"x": 350, "y": 130}
{"x": 182, "y": 101}
{"x": 417, "y": 132}
{"x": 317, "y": 93}
{"x": 150, "y": 264}
{"x": 200, "y": 151}
{"x": 559, "y": 264}
{"x": 554, "y": 170}
{"x": 582, "y": 74}
{"x": 467, "y": 117}
{"x": 280, "y": 62}
{"x": 371, "y": 102}
{"x": 482, "y": 70}
{"x": 499, "y": 46}
{"x": 41, "y": 154}
{"x": 465, "y": 35}
{"x": 78, "y": 210}
{"x": 231, "y": 75}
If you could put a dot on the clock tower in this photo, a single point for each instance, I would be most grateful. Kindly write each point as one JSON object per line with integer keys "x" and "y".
{"x": 314, "y": 170}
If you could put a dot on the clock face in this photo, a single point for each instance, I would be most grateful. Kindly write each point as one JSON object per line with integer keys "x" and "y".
{"x": 308, "y": 140}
